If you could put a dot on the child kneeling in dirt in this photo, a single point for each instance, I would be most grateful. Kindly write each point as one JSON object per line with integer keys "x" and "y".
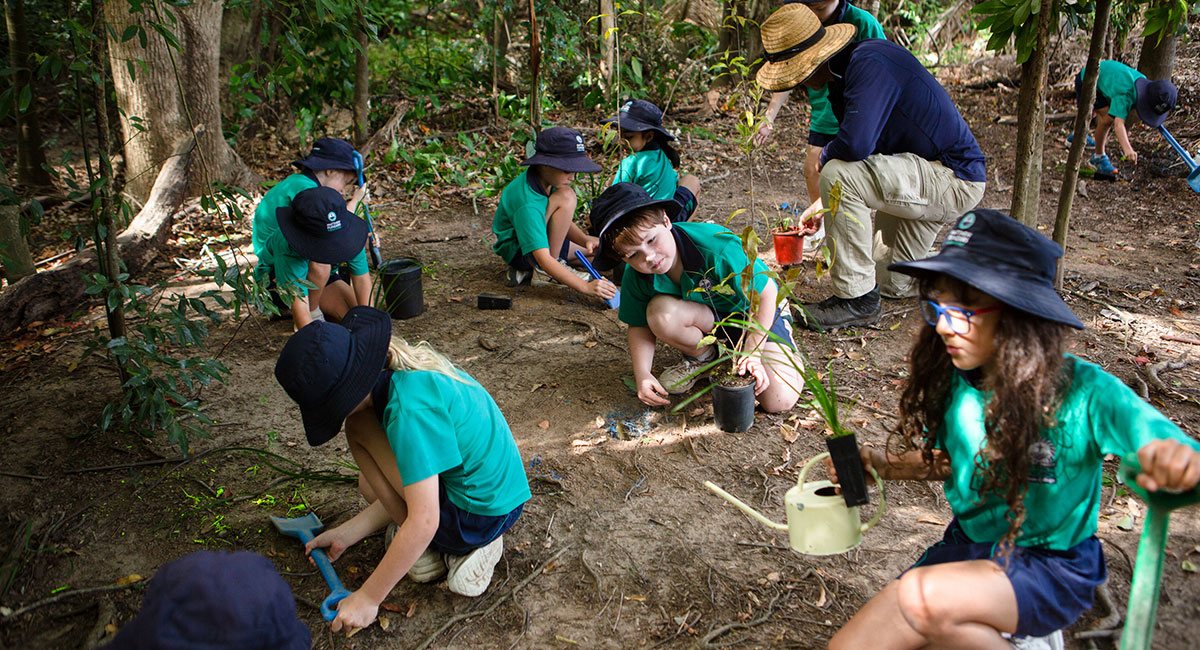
{"x": 681, "y": 280}
{"x": 534, "y": 223}
{"x": 212, "y": 599}
{"x": 330, "y": 165}
{"x": 654, "y": 159}
{"x": 436, "y": 454}
{"x": 1018, "y": 430}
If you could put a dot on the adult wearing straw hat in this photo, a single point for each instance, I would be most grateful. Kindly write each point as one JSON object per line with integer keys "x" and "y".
{"x": 902, "y": 149}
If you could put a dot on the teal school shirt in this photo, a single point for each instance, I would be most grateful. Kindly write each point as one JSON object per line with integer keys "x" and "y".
{"x": 651, "y": 169}
{"x": 437, "y": 425}
{"x": 1099, "y": 415}
{"x": 265, "y": 225}
{"x": 520, "y": 221}
{"x": 821, "y": 118}
{"x": 710, "y": 254}
{"x": 1116, "y": 82}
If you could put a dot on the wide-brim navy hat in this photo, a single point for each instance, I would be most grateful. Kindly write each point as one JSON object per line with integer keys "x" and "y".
{"x": 328, "y": 369}
{"x": 318, "y": 226}
{"x": 1155, "y": 99}
{"x": 328, "y": 153}
{"x": 622, "y": 199}
{"x": 639, "y": 115}
{"x": 562, "y": 148}
{"x": 216, "y": 601}
{"x": 1003, "y": 258}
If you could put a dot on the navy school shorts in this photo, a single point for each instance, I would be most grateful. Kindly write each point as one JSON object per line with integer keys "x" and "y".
{"x": 525, "y": 261}
{"x": 460, "y": 532}
{"x": 1054, "y": 588}
{"x": 687, "y": 204}
{"x": 781, "y": 328}
{"x": 1101, "y": 100}
{"x": 341, "y": 272}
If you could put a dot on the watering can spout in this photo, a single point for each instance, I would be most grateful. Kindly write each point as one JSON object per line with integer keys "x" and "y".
{"x": 743, "y": 507}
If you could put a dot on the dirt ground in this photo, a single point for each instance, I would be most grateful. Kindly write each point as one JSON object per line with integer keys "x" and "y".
{"x": 620, "y": 546}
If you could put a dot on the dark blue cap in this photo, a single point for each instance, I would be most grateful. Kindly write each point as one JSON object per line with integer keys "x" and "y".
{"x": 639, "y": 115}
{"x": 1154, "y": 100}
{"x": 318, "y": 226}
{"x": 620, "y": 200}
{"x": 1003, "y": 258}
{"x": 562, "y": 148}
{"x": 216, "y": 600}
{"x": 329, "y": 153}
{"x": 328, "y": 369}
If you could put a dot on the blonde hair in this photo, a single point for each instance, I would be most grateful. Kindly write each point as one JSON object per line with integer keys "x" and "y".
{"x": 403, "y": 355}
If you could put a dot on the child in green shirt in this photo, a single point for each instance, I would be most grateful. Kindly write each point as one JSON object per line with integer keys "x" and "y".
{"x": 674, "y": 290}
{"x": 654, "y": 160}
{"x": 329, "y": 164}
{"x": 1120, "y": 90}
{"x": 435, "y": 455}
{"x": 535, "y": 219}
{"x": 1018, "y": 430}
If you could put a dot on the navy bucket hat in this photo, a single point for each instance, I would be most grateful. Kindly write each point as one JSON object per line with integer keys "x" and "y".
{"x": 328, "y": 369}
{"x": 639, "y": 115}
{"x": 216, "y": 600}
{"x": 318, "y": 226}
{"x": 562, "y": 148}
{"x": 622, "y": 199}
{"x": 1155, "y": 99}
{"x": 1003, "y": 258}
{"x": 328, "y": 153}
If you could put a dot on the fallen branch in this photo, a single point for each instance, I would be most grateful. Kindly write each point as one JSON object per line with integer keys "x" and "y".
{"x": 63, "y": 595}
{"x": 1179, "y": 339}
{"x": 1151, "y": 372}
{"x": 1050, "y": 119}
{"x": 462, "y": 617}
{"x": 729, "y": 627}
{"x": 439, "y": 240}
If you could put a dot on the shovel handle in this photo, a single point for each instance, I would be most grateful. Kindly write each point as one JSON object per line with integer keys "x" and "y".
{"x": 376, "y": 256}
{"x": 337, "y": 591}
{"x": 1187, "y": 159}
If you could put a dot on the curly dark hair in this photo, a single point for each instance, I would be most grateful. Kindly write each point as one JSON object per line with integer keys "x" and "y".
{"x": 1027, "y": 380}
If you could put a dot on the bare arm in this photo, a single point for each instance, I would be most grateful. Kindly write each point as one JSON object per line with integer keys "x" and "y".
{"x": 1123, "y": 139}
{"x": 599, "y": 288}
{"x": 362, "y": 289}
{"x": 641, "y": 352}
{"x": 768, "y": 126}
{"x": 909, "y": 466}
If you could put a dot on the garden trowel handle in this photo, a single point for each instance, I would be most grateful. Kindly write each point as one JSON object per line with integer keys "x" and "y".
{"x": 1187, "y": 159}
{"x": 376, "y": 256}
{"x": 336, "y": 591}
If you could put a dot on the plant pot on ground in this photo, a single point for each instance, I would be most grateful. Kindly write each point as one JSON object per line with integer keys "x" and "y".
{"x": 733, "y": 401}
{"x": 789, "y": 246}
{"x": 843, "y": 451}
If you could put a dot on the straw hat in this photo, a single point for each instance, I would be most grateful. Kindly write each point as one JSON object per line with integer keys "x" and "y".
{"x": 796, "y": 44}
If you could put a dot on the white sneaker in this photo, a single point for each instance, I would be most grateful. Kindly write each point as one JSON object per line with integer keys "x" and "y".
{"x": 471, "y": 574}
{"x": 1053, "y": 641}
{"x": 430, "y": 566}
{"x": 516, "y": 277}
{"x": 680, "y": 378}
{"x": 541, "y": 278}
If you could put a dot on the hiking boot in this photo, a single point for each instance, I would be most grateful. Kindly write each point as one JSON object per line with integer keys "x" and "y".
{"x": 516, "y": 277}
{"x": 1102, "y": 165}
{"x": 1090, "y": 143}
{"x": 471, "y": 574}
{"x": 835, "y": 313}
{"x": 680, "y": 378}
{"x": 1053, "y": 641}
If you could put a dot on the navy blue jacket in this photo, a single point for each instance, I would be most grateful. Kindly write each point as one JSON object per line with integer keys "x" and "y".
{"x": 888, "y": 103}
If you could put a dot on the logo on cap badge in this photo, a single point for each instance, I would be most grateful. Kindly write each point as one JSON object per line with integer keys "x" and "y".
{"x": 967, "y": 221}
{"x": 627, "y": 106}
{"x": 579, "y": 143}
{"x": 332, "y": 216}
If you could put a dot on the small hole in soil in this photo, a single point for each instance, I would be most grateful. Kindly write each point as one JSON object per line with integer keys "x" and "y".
{"x": 827, "y": 491}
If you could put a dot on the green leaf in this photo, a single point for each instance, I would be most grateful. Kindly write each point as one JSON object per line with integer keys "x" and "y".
{"x": 1189, "y": 567}
{"x": 24, "y": 98}
{"x": 129, "y": 33}
{"x": 629, "y": 383}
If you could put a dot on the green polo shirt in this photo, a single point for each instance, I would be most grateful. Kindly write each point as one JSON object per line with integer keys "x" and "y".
{"x": 1099, "y": 415}
{"x": 1117, "y": 83}
{"x": 520, "y": 221}
{"x": 711, "y": 255}
{"x": 437, "y": 425}
{"x": 265, "y": 224}
{"x": 821, "y": 118}
{"x": 651, "y": 169}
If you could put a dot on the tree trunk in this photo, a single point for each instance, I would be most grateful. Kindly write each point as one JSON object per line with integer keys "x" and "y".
{"x": 164, "y": 93}
{"x": 107, "y": 248}
{"x": 30, "y": 156}
{"x": 49, "y": 293}
{"x": 1031, "y": 124}
{"x": 872, "y": 7}
{"x": 758, "y": 11}
{"x": 535, "y": 65}
{"x": 729, "y": 39}
{"x": 499, "y": 55}
{"x": 1157, "y": 60}
{"x": 240, "y": 42}
{"x": 14, "y": 250}
{"x": 608, "y": 41}
{"x": 1082, "y": 118}
{"x": 362, "y": 81}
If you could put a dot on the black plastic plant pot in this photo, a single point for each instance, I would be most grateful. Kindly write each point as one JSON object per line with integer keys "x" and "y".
{"x": 733, "y": 407}
{"x": 844, "y": 452}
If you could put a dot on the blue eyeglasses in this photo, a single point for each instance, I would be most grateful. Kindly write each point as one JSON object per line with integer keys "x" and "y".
{"x": 959, "y": 320}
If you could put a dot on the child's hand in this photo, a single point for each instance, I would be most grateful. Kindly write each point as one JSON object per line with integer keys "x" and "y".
{"x": 753, "y": 365}
{"x": 1168, "y": 465}
{"x": 1131, "y": 156}
{"x": 354, "y": 612}
{"x": 333, "y": 541}
{"x": 764, "y": 133}
{"x": 864, "y": 455}
{"x": 812, "y": 224}
{"x": 360, "y": 193}
{"x": 601, "y": 289}
{"x": 651, "y": 392}
{"x": 593, "y": 245}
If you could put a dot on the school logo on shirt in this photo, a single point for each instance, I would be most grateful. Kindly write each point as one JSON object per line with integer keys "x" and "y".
{"x": 334, "y": 223}
{"x": 1043, "y": 456}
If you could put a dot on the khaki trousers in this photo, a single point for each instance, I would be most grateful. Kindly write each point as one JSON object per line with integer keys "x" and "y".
{"x": 912, "y": 199}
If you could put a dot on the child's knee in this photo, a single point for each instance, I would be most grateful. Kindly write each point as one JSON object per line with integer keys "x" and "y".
{"x": 663, "y": 315}
{"x": 564, "y": 200}
{"x": 692, "y": 183}
{"x": 918, "y": 605}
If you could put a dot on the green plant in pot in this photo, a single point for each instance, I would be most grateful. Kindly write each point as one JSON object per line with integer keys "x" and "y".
{"x": 843, "y": 447}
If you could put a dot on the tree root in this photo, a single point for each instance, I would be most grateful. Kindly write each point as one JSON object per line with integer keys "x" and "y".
{"x": 707, "y": 641}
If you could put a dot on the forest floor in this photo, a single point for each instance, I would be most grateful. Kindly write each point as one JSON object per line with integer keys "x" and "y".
{"x": 628, "y": 548}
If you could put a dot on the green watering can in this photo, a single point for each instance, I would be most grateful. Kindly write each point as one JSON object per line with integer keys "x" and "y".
{"x": 1147, "y": 571}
